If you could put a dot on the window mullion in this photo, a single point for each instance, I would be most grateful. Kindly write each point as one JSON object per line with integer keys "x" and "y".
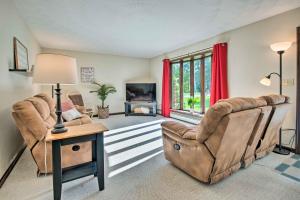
{"x": 202, "y": 71}
{"x": 192, "y": 80}
{"x": 181, "y": 84}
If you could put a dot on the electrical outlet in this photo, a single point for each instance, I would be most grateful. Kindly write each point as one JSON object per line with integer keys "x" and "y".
{"x": 288, "y": 82}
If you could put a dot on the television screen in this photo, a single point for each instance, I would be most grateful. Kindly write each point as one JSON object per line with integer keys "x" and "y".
{"x": 140, "y": 92}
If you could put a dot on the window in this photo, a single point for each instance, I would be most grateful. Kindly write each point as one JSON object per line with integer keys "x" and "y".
{"x": 191, "y": 78}
{"x": 175, "y": 86}
{"x": 197, "y": 85}
{"x": 186, "y": 84}
{"x": 207, "y": 73}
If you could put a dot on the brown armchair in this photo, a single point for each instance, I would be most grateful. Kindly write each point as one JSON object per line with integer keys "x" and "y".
{"x": 216, "y": 147}
{"x": 77, "y": 100}
{"x": 34, "y": 116}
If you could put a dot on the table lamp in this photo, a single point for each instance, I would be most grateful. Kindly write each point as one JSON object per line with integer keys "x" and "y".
{"x": 56, "y": 69}
{"x": 280, "y": 48}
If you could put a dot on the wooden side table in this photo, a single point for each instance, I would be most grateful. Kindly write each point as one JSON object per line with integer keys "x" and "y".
{"x": 77, "y": 134}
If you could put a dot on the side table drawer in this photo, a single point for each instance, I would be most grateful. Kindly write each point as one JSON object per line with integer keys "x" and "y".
{"x": 75, "y": 154}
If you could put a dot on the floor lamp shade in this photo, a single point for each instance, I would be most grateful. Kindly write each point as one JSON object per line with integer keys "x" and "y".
{"x": 280, "y": 46}
{"x": 54, "y": 68}
{"x": 265, "y": 81}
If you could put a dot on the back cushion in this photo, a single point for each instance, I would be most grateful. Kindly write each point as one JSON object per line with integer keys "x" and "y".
{"x": 35, "y": 113}
{"x": 271, "y": 134}
{"x": 228, "y": 143}
{"x": 274, "y": 99}
{"x": 244, "y": 103}
{"x": 211, "y": 119}
{"x": 47, "y": 99}
{"x": 31, "y": 118}
{"x": 222, "y": 108}
{"x": 76, "y": 99}
{"x": 41, "y": 106}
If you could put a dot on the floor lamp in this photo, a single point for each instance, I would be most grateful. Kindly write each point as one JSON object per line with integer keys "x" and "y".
{"x": 280, "y": 48}
{"x": 56, "y": 69}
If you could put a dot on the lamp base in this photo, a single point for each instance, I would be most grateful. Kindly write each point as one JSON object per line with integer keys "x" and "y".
{"x": 281, "y": 151}
{"x": 59, "y": 128}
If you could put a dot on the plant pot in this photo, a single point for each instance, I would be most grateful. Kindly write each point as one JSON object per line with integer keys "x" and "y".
{"x": 103, "y": 113}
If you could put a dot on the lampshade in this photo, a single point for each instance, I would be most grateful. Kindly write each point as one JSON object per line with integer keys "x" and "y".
{"x": 280, "y": 46}
{"x": 54, "y": 68}
{"x": 265, "y": 81}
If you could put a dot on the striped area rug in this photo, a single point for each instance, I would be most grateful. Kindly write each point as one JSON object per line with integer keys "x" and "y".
{"x": 130, "y": 146}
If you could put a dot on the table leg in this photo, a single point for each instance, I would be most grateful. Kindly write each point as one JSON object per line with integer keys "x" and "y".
{"x": 57, "y": 171}
{"x": 100, "y": 160}
{"x": 154, "y": 109}
{"x": 94, "y": 153}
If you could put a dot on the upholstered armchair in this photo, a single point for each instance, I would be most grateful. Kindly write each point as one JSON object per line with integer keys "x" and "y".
{"x": 34, "y": 116}
{"x": 77, "y": 100}
{"x": 227, "y": 136}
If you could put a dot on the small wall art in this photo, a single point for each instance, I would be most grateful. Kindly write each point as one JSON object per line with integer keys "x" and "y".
{"x": 87, "y": 74}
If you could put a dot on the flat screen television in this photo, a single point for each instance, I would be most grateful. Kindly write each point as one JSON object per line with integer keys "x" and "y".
{"x": 141, "y": 92}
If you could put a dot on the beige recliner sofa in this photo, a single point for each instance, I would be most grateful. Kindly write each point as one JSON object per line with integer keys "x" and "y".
{"x": 34, "y": 116}
{"x": 217, "y": 146}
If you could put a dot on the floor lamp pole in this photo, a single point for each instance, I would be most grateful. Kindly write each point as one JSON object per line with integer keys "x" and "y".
{"x": 279, "y": 149}
{"x": 280, "y": 71}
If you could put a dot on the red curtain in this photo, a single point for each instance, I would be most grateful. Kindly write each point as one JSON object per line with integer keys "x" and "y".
{"x": 165, "y": 104}
{"x": 219, "y": 85}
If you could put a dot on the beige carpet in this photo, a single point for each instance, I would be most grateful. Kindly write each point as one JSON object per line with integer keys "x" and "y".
{"x": 155, "y": 178}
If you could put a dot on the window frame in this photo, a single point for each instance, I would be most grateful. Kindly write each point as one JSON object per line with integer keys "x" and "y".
{"x": 191, "y": 59}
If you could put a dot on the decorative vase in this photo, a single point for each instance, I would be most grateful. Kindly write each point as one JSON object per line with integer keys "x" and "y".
{"x": 103, "y": 113}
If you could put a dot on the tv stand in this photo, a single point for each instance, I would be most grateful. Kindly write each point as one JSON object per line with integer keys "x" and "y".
{"x": 135, "y": 108}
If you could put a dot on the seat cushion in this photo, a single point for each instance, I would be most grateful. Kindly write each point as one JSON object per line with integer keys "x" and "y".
{"x": 84, "y": 119}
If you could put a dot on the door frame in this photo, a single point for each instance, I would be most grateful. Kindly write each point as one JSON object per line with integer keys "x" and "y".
{"x": 297, "y": 139}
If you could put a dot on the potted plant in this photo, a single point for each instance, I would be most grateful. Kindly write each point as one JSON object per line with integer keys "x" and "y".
{"x": 102, "y": 92}
{"x": 191, "y": 102}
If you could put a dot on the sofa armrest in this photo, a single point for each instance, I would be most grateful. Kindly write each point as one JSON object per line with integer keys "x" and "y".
{"x": 179, "y": 129}
{"x": 81, "y": 109}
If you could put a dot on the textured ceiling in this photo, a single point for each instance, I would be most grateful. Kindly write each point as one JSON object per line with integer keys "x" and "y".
{"x": 139, "y": 28}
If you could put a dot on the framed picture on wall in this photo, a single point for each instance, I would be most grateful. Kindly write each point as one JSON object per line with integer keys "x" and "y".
{"x": 20, "y": 55}
{"x": 87, "y": 74}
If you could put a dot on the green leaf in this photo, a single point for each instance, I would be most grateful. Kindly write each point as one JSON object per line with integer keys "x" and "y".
{"x": 103, "y": 91}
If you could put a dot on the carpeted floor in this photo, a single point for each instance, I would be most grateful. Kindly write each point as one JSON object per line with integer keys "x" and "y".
{"x": 136, "y": 170}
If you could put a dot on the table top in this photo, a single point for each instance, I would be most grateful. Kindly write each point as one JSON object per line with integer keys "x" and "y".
{"x": 76, "y": 131}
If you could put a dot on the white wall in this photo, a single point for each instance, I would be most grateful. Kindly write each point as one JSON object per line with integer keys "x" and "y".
{"x": 250, "y": 57}
{"x": 13, "y": 86}
{"x": 109, "y": 69}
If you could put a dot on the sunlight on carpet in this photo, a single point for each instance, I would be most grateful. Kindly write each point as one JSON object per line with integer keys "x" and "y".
{"x": 130, "y": 146}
